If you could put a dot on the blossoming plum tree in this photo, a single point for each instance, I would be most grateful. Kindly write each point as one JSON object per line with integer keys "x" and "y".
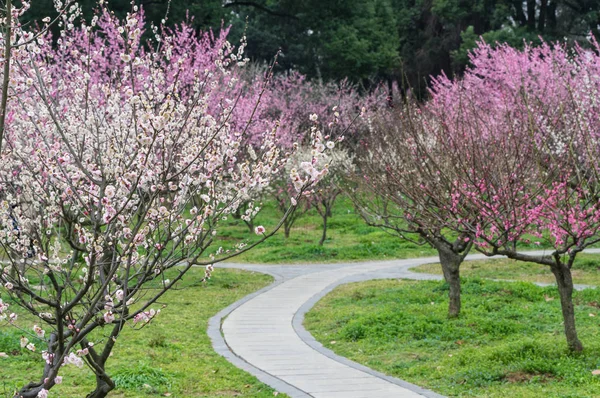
{"x": 398, "y": 165}
{"x": 118, "y": 167}
{"x": 323, "y": 197}
{"x": 336, "y": 110}
{"x": 520, "y": 132}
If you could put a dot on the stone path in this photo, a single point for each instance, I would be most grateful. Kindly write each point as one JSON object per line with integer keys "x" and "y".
{"x": 263, "y": 333}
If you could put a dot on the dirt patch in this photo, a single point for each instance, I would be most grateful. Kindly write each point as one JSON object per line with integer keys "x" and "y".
{"x": 594, "y": 304}
{"x": 525, "y": 377}
{"x": 228, "y": 393}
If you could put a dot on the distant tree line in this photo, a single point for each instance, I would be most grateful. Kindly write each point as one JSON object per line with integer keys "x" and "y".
{"x": 374, "y": 40}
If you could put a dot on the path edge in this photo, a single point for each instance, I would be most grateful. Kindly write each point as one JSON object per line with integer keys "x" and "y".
{"x": 307, "y": 337}
{"x": 220, "y": 345}
{"x": 222, "y": 348}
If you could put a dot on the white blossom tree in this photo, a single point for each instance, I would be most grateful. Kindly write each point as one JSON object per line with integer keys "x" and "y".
{"x": 116, "y": 169}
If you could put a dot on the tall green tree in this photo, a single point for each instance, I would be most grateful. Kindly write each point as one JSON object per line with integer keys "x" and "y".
{"x": 330, "y": 39}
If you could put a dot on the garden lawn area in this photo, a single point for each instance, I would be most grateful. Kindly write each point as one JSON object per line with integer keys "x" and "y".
{"x": 585, "y": 270}
{"x": 171, "y": 356}
{"x": 508, "y": 341}
{"x": 348, "y": 239}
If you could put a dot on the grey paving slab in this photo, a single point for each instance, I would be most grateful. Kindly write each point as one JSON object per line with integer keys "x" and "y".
{"x": 263, "y": 333}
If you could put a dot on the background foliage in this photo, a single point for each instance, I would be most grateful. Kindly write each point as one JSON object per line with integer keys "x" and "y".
{"x": 373, "y": 40}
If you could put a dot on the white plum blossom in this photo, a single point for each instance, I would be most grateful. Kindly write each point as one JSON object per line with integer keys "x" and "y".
{"x": 145, "y": 316}
{"x": 3, "y": 306}
{"x": 109, "y": 191}
{"x": 47, "y": 357}
{"x": 109, "y": 317}
{"x": 39, "y": 331}
{"x": 73, "y": 359}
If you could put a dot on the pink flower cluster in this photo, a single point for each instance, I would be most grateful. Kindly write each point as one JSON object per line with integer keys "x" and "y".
{"x": 522, "y": 129}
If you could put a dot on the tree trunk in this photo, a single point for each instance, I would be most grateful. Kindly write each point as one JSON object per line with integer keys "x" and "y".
{"x": 324, "y": 235}
{"x": 520, "y": 13}
{"x": 288, "y": 223}
{"x": 531, "y": 14}
{"x": 103, "y": 387}
{"x": 287, "y": 227}
{"x": 450, "y": 262}
{"x": 542, "y": 17}
{"x": 237, "y": 215}
{"x": 594, "y": 27}
{"x": 564, "y": 281}
{"x": 551, "y": 15}
{"x": 31, "y": 390}
{"x": 250, "y": 225}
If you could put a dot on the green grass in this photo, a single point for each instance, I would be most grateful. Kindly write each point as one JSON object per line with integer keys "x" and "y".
{"x": 508, "y": 341}
{"x": 585, "y": 270}
{"x": 348, "y": 239}
{"x": 172, "y": 355}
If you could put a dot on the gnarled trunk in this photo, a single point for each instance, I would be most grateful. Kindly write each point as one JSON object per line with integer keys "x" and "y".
{"x": 31, "y": 390}
{"x": 237, "y": 215}
{"x": 288, "y": 223}
{"x": 104, "y": 385}
{"x": 250, "y": 224}
{"x": 324, "y": 235}
{"x": 564, "y": 281}
{"x": 450, "y": 262}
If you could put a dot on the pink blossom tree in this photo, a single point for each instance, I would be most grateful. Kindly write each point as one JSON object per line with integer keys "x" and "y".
{"x": 399, "y": 165}
{"x": 336, "y": 110}
{"x": 520, "y": 137}
{"x": 117, "y": 167}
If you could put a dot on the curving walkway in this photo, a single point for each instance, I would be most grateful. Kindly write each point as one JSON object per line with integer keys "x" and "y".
{"x": 263, "y": 333}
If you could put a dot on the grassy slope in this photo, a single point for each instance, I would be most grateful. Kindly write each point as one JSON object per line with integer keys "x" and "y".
{"x": 508, "y": 341}
{"x": 585, "y": 270}
{"x": 349, "y": 239}
{"x": 172, "y": 355}
{"x": 166, "y": 350}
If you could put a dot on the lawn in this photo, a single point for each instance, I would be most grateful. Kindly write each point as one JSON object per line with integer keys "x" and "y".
{"x": 585, "y": 270}
{"x": 172, "y": 356}
{"x": 381, "y": 324}
{"x": 348, "y": 239}
{"x": 507, "y": 342}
